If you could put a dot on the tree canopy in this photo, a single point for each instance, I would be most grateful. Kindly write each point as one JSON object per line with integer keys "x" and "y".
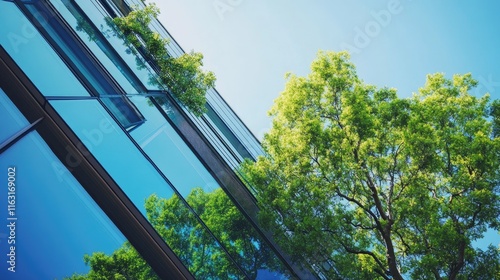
{"x": 197, "y": 249}
{"x": 183, "y": 76}
{"x": 362, "y": 184}
{"x": 123, "y": 264}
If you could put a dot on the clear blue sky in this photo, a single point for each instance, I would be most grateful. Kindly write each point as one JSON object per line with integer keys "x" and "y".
{"x": 250, "y": 45}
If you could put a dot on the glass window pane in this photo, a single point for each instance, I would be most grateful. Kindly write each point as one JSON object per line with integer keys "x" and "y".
{"x": 98, "y": 16}
{"x": 88, "y": 33}
{"x": 34, "y": 55}
{"x": 55, "y": 217}
{"x": 11, "y": 119}
{"x": 49, "y": 222}
{"x": 109, "y": 144}
{"x": 151, "y": 194}
{"x": 186, "y": 172}
{"x": 169, "y": 152}
{"x": 234, "y": 123}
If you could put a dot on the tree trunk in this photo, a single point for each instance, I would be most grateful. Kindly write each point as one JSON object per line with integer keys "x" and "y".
{"x": 391, "y": 256}
{"x": 456, "y": 267}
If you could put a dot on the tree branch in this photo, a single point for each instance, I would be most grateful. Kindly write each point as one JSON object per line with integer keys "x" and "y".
{"x": 364, "y": 252}
{"x": 360, "y": 205}
{"x": 375, "y": 196}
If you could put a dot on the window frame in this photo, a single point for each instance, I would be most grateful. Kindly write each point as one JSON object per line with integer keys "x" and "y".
{"x": 88, "y": 172}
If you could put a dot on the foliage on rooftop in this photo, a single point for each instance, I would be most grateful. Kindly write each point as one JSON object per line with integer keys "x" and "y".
{"x": 183, "y": 76}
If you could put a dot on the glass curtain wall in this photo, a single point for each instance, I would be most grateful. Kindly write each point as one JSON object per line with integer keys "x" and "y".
{"x": 49, "y": 222}
{"x": 97, "y": 86}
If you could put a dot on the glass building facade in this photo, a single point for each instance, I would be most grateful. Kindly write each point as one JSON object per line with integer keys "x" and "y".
{"x": 96, "y": 160}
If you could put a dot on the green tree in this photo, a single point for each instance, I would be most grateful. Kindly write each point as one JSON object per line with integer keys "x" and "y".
{"x": 123, "y": 264}
{"x": 362, "y": 184}
{"x": 183, "y": 76}
{"x": 195, "y": 247}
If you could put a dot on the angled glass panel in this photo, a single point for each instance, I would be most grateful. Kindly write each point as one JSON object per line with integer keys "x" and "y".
{"x": 147, "y": 189}
{"x": 125, "y": 111}
{"x": 108, "y": 143}
{"x": 33, "y": 54}
{"x": 91, "y": 35}
{"x": 100, "y": 18}
{"x": 169, "y": 152}
{"x": 49, "y": 222}
{"x": 182, "y": 167}
{"x": 11, "y": 120}
{"x": 234, "y": 124}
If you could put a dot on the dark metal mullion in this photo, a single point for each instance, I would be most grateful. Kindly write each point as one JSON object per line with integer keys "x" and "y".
{"x": 116, "y": 57}
{"x": 104, "y": 6}
{"x": 59, "y": 51}
{"x": 183, "y": 200}
{"x": 89, "y": 172}
{"x": 208, "y": 126}
{"x": 124, "y": 9}
{"x": 229, "y": 122}
{"x": 219, "y": 145}
{"x": 50, "y": 98}
{"x": 219, "y": 137}
{"x": 18, "y": 136}
{"x": 239, "y": 194}
{"x": 69, "y": 97}
{"x": 91, "y": 63}
{"x": 239, "y": 147}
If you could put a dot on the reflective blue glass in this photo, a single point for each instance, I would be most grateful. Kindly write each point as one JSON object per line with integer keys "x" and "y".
{"x": 11, "y": 120}
{"x": 109, "y": 144}
{"x": 34, "y": 55}
{"x": 48, "y": 220}
{"x": 169, "y": 152}
{"x": 99, "y": 17}
{"x": 181, "y": 166}
{"x": 150, "y": 192}
{"x": 88, "y": 33}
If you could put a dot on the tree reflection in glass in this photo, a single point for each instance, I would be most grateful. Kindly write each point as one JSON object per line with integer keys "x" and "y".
{"x": 194, "y": 246}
